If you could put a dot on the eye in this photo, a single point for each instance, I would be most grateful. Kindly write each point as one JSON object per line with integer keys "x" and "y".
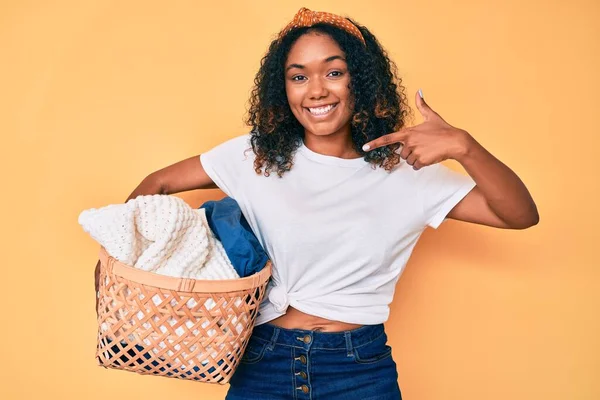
{"x": 339, "y": 73}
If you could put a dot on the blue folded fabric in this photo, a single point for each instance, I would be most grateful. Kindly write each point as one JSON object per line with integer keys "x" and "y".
{"x": 229, "y": 225}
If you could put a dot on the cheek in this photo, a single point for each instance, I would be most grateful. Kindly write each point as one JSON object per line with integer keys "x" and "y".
{"x": 344, "y": 92}
{"x": 350, "y": 102}
{"x": 294, "y": 104}
{"x": 294, "y": 98}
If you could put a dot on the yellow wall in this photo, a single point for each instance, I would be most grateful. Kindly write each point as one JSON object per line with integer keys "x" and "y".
{"x": 98, "y": 94}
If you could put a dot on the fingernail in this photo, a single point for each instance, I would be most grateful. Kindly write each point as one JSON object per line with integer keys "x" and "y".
{"x": 366, "y": 147}
{"x": 421, "y": 93}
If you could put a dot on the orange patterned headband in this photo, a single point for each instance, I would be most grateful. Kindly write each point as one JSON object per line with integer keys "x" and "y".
{"x": 306, "y": 18}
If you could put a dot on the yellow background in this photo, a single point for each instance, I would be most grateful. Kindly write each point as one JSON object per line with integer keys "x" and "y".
{"x": 98, "y": 94}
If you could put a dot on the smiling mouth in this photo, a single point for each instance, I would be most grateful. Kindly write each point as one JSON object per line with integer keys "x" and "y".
{"x": 321, "y": 111}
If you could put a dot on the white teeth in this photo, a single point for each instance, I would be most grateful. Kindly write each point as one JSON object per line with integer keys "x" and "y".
{"x": 321, "y": 110}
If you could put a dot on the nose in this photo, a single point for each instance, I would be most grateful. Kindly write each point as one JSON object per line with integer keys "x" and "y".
{"x": 317, "y": 88}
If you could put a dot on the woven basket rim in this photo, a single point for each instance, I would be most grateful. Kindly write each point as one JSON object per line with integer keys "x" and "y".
{"x": 160, "y": 281}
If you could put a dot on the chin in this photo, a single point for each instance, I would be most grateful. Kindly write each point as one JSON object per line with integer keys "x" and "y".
{"x": 321, "y": 130}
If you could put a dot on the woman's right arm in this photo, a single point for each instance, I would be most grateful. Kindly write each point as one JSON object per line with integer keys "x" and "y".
{"x": 182, "y": 176}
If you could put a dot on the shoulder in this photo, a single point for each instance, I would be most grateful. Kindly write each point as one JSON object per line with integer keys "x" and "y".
{"x": 241, "y": 141}
{"x": 234, "y": 145}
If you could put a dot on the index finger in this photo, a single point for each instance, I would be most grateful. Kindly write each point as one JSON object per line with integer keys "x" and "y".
{"x": 395, "y": 137}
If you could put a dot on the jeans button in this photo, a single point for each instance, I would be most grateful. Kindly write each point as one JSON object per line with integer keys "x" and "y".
{"x": 304, "y": 388}
{"x": 303, "y": 359}
{"x": 303, "y": 374}
{"x": 307, "y": 339}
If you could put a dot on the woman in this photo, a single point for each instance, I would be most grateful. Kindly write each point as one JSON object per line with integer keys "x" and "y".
{"x": 353, "y": 191}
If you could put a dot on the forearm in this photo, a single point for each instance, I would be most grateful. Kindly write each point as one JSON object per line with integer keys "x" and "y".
{"x": 504, "y": 191}
{"x": 150, "y": 185}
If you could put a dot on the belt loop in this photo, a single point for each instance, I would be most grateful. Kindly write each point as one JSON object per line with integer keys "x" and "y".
{"x": 347, "y": 335}
{"x": 273, "y": 340}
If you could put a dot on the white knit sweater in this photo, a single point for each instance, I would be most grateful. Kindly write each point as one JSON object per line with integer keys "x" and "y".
{"x": 162, "y": 234}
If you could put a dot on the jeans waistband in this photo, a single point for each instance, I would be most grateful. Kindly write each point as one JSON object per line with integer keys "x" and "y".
{"x": 306, "y": 339}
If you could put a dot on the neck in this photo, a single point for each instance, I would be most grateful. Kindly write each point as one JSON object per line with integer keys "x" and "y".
{"x": 338, "y": 145}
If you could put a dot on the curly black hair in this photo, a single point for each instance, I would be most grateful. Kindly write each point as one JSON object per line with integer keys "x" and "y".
{"x": 380, "y": 105}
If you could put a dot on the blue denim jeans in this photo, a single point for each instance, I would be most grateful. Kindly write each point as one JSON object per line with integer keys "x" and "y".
{"x": 286, "y": 364}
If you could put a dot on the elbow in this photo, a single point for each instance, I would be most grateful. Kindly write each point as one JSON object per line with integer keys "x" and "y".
{"x": 536, "y": 219}
{"x": 531, "y": 220}
{"x": 534, "y": 216}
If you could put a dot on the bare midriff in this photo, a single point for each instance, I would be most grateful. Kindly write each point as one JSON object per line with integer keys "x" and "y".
{"x": 296, "y": 319}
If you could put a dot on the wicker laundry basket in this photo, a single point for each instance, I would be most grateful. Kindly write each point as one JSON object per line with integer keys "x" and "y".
{"x": 176, "y": 327}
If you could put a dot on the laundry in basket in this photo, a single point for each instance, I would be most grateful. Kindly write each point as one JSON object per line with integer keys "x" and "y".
{"x": 162, "y": 235}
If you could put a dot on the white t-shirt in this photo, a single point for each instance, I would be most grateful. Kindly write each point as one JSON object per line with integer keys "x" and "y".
{"x": 338, "y": 232}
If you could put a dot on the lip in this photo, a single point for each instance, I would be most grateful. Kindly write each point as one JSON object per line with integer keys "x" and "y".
{"x": 324, "y": 115}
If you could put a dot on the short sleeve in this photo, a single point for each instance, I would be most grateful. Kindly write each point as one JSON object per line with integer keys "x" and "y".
{"x": 441, "y": 188}
{"x": 226, "y": 162}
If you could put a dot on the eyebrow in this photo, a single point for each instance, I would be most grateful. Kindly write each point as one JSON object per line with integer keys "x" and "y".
{"x": 328, "y": 59}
